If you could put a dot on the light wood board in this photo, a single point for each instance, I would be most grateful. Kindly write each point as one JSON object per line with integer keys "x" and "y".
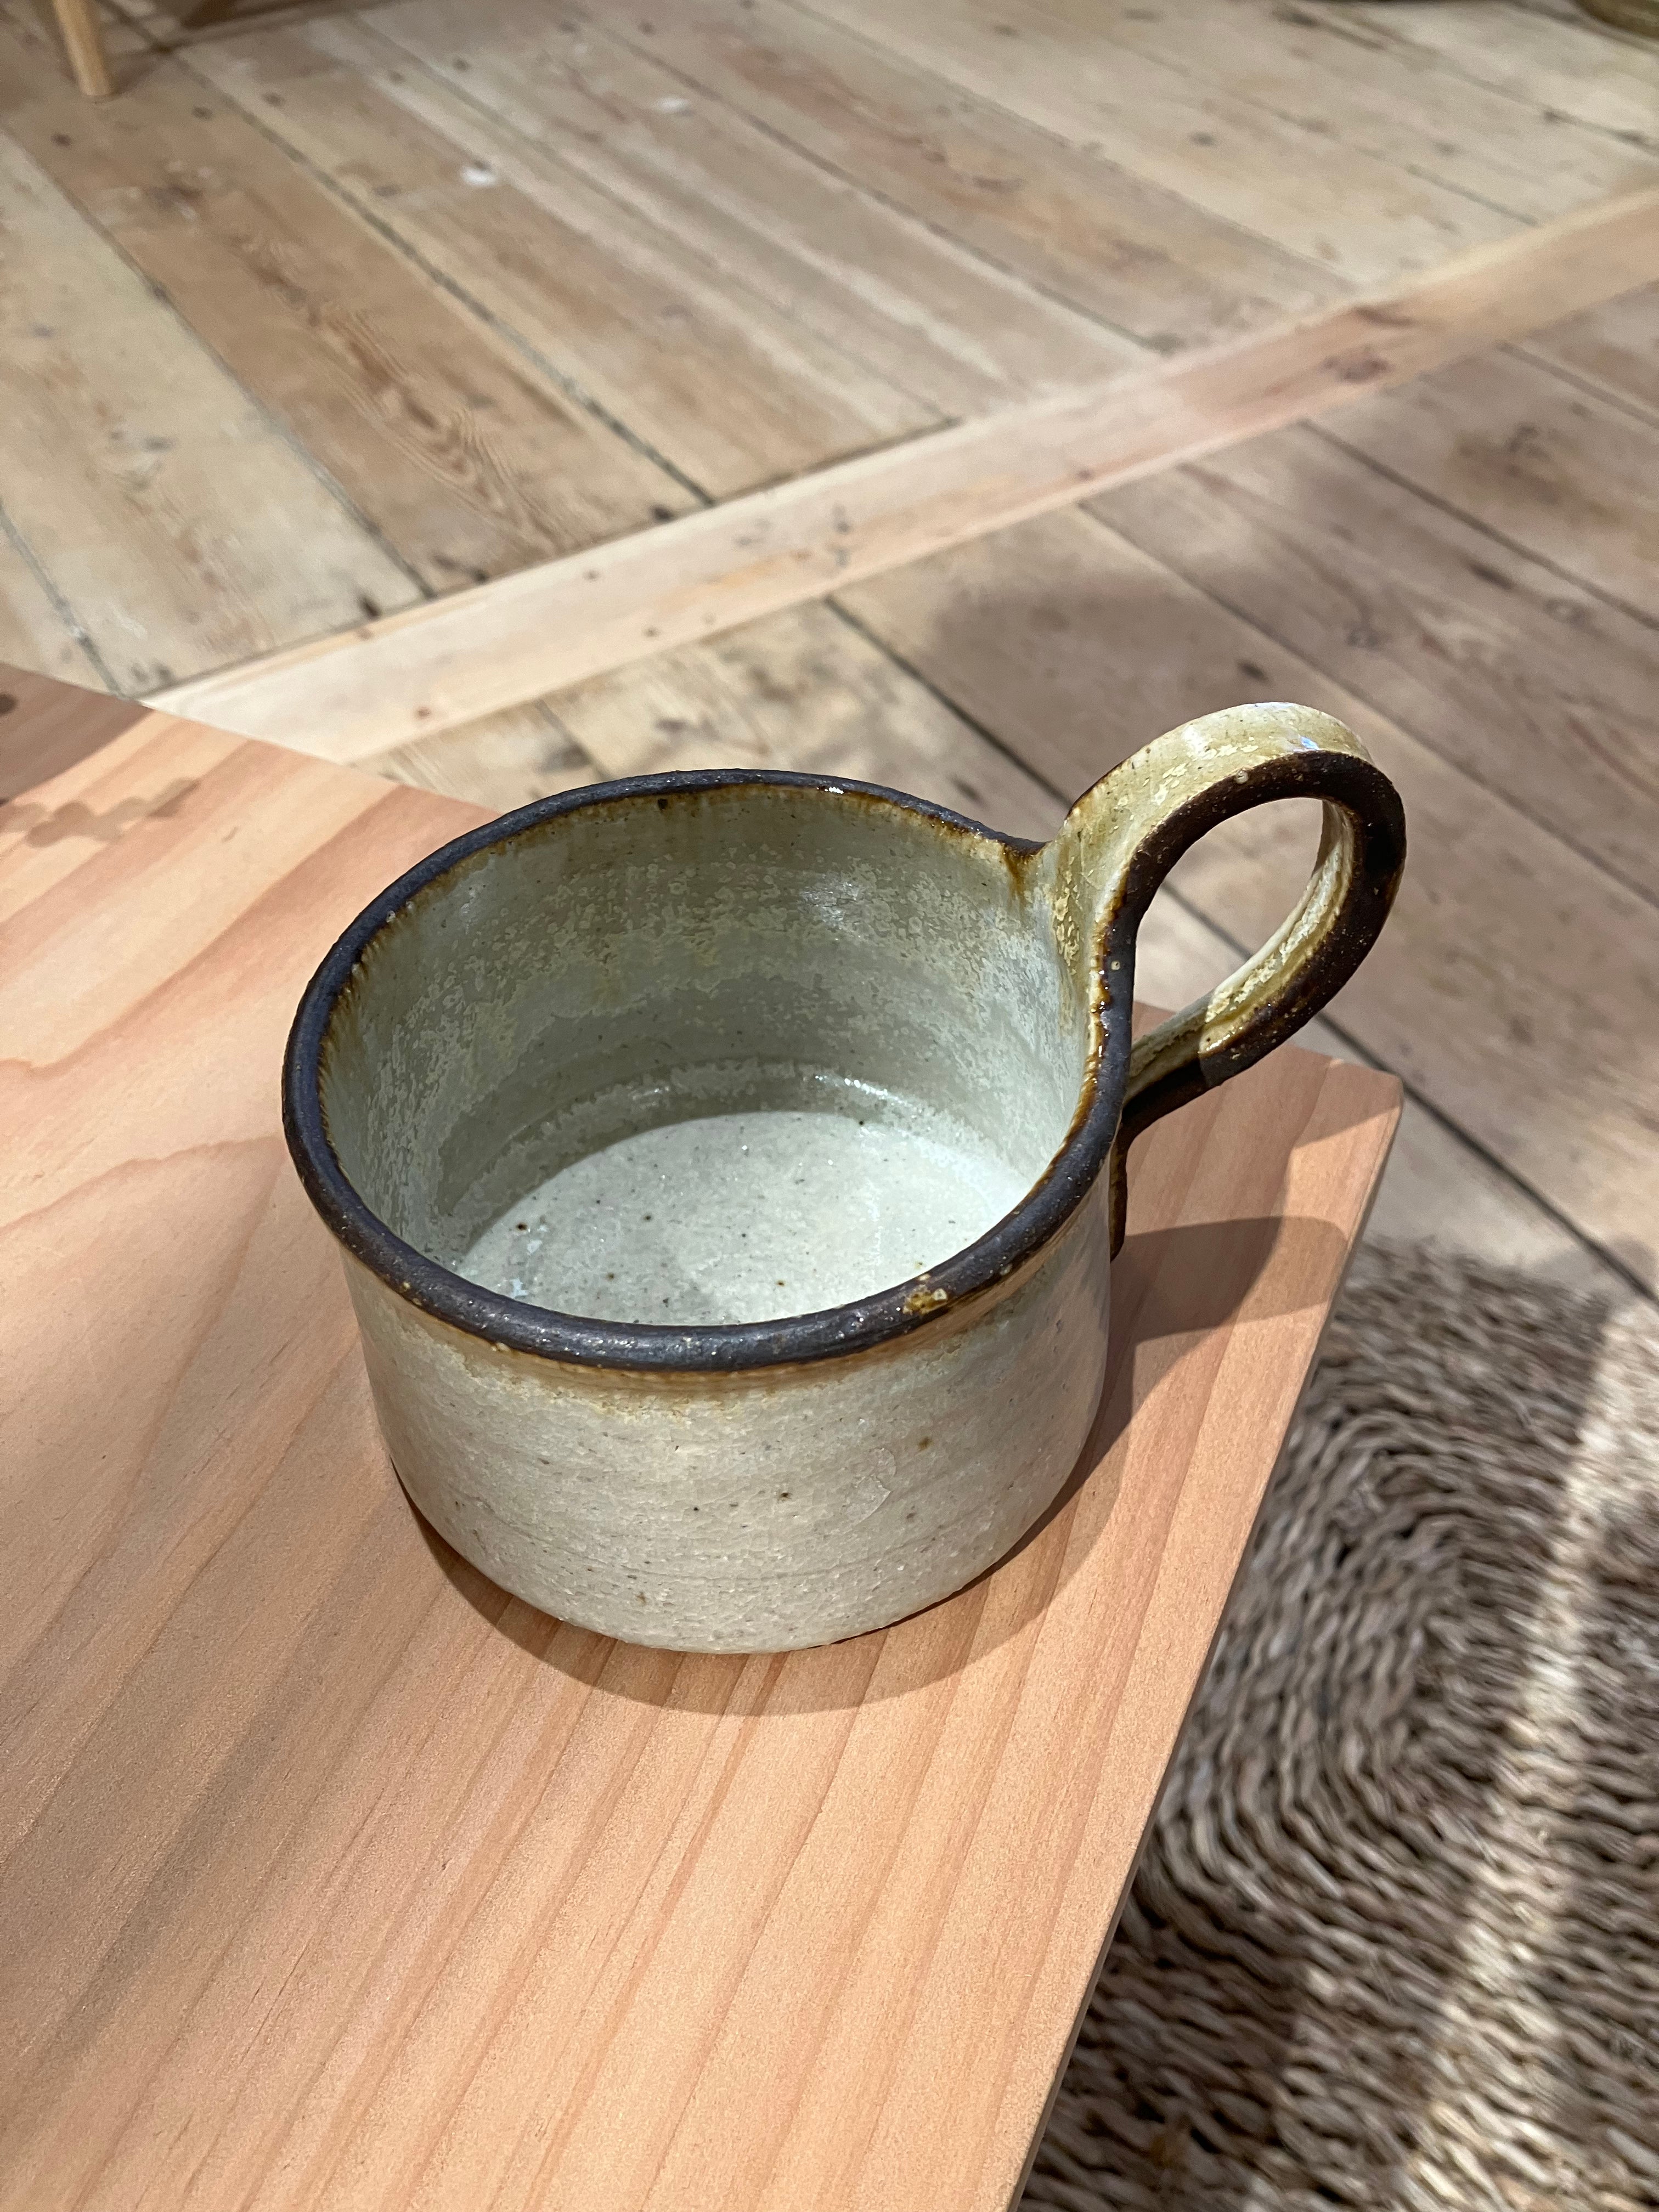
{"x": 1570, "y": 64}
{"x": 1383, "y": 98}
{"x": 1547, "y": 468}
{"x": 505, "y": 642}
{"x": 335, "y": 1878}
{"x": 502, "y": 761}
{"x": 1514, "y": 670}
{"x": 1614, "y": 348}
{"x": 1068, "y": 220}
{"x": 463, "y": 460}
{"x": 35, "y": 629}
{"x": 718, "y": 382}
{"x": 1438, "y": 1192}
{"x": 937, "y": 319}
{"x": 805, "y": 690}
{"x": 1368, "y": 221}
{"x": 170, "y": 513}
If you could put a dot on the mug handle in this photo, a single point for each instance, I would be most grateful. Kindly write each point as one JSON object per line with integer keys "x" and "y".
{"x": 1125, "y": 835}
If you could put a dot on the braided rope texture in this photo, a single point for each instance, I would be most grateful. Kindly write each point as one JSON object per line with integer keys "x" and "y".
{"x": 1395, "y": 1940}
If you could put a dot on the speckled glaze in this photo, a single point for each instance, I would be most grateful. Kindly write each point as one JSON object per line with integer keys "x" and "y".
{"x": 642, "y": 954}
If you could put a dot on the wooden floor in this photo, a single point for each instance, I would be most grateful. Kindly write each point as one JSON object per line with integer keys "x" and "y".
{"x": 335, "y": 311}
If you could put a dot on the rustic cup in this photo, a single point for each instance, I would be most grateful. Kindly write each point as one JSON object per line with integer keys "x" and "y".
{"x": 635, "y": 955}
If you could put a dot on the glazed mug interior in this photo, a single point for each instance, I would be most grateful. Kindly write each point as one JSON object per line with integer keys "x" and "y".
{"x": 739, "y": 1051}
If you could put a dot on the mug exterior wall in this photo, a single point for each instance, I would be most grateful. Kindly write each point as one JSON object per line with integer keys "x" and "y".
{"x": 763, "y": 1509}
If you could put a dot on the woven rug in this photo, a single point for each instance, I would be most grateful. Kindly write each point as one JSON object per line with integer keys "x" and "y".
{"x": 1396, "y": 1938}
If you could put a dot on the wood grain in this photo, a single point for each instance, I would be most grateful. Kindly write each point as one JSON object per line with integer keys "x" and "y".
{"x": 805, "y": 690}
{"x": 333, "y": 1877}
{"x": 1516, "y": 988}
{"x": 1567, "y": 63}
{"x": 528, "y": 634}
{"x": 937, "y": 319}
{"x": 708, "y": 375}
{"x": 35, "y": 630}
{"x": 1613, "y": 348}
{"x": 1526, "y": 682}
{"x": 1548, "y": 467}
{"x": 503, "y": 762}
{"x": 1438, "y": 1190}
{"x": 1070, "y": 221}
{"x": 1382, "y": 97}
{"x": 1366, "y": 220}
{"x": 462, "y": 459}
{"x": 177, "y": 523}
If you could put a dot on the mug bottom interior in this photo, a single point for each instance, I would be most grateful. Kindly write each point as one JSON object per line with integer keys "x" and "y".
{"x": 804, "y": 1190}
{"x": 731, "y": 1056}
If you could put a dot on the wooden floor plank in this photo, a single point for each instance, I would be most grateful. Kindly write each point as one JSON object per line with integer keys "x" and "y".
{"x": 803, "y": 691}
{"x": 1378, "y": 96}
{"x": 1534, "y": 687}
{"x": 34, "y": 632}
{"x": 503, "y": 762}
{"x": 728, "y": 390}
{"x": 1554, "y": 469}
{"x": 505, "y": 642}
{"x": 1140, "y": 257}
{"x": 925, "y": 312}
{"x": 464, "y": 461}
{"x": 1366, "y": 220}
{"x": 1516, "y": 988}
{"x": 1570, "y": 65}
{"x": 1613, "y": 348}
{"x": 180, "y": 528}
{"x": 1438, "y": 1191}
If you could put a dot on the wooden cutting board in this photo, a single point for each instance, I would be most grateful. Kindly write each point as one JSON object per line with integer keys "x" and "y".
{"x": 336, "y": 1877}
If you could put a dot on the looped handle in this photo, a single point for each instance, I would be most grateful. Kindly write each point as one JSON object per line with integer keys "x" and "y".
{"x": 1126, "y": 834}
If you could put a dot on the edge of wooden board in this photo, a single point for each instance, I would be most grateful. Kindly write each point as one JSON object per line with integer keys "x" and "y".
{"x": 449, "y": 661}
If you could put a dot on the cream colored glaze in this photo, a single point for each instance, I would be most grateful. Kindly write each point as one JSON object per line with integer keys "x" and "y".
{"x": 758, "y": 1512}
{"x": 747, "y": 1217}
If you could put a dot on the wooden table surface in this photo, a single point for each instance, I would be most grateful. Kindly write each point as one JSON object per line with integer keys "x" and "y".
{"x": 336, "y": 1877}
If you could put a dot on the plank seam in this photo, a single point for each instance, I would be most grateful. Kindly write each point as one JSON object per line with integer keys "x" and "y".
{"x": 1608, "y": 1258}
{"x": 1453, "y": 68}
{"x": 279, "y": 428}
{"x": 1638, "y": 410}
{"x": 558, "y": 378}
{"x": 891, "y": 54}
{"x": 603, "y": 189}
{"x": 1349, "y": 143}
{"x": 1051, "y": 292}
{"x": 536, "y": 629}
{"x": 1388, "y": 713}
{"x": 1487, "y": 530}
{"x": 64, "y": 611}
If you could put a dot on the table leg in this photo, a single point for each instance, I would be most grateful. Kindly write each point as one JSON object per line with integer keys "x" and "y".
{"x": 85, "y": 42}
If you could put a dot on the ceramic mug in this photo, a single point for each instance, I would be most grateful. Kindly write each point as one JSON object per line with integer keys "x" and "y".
{"x": 727, "y": 1166}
